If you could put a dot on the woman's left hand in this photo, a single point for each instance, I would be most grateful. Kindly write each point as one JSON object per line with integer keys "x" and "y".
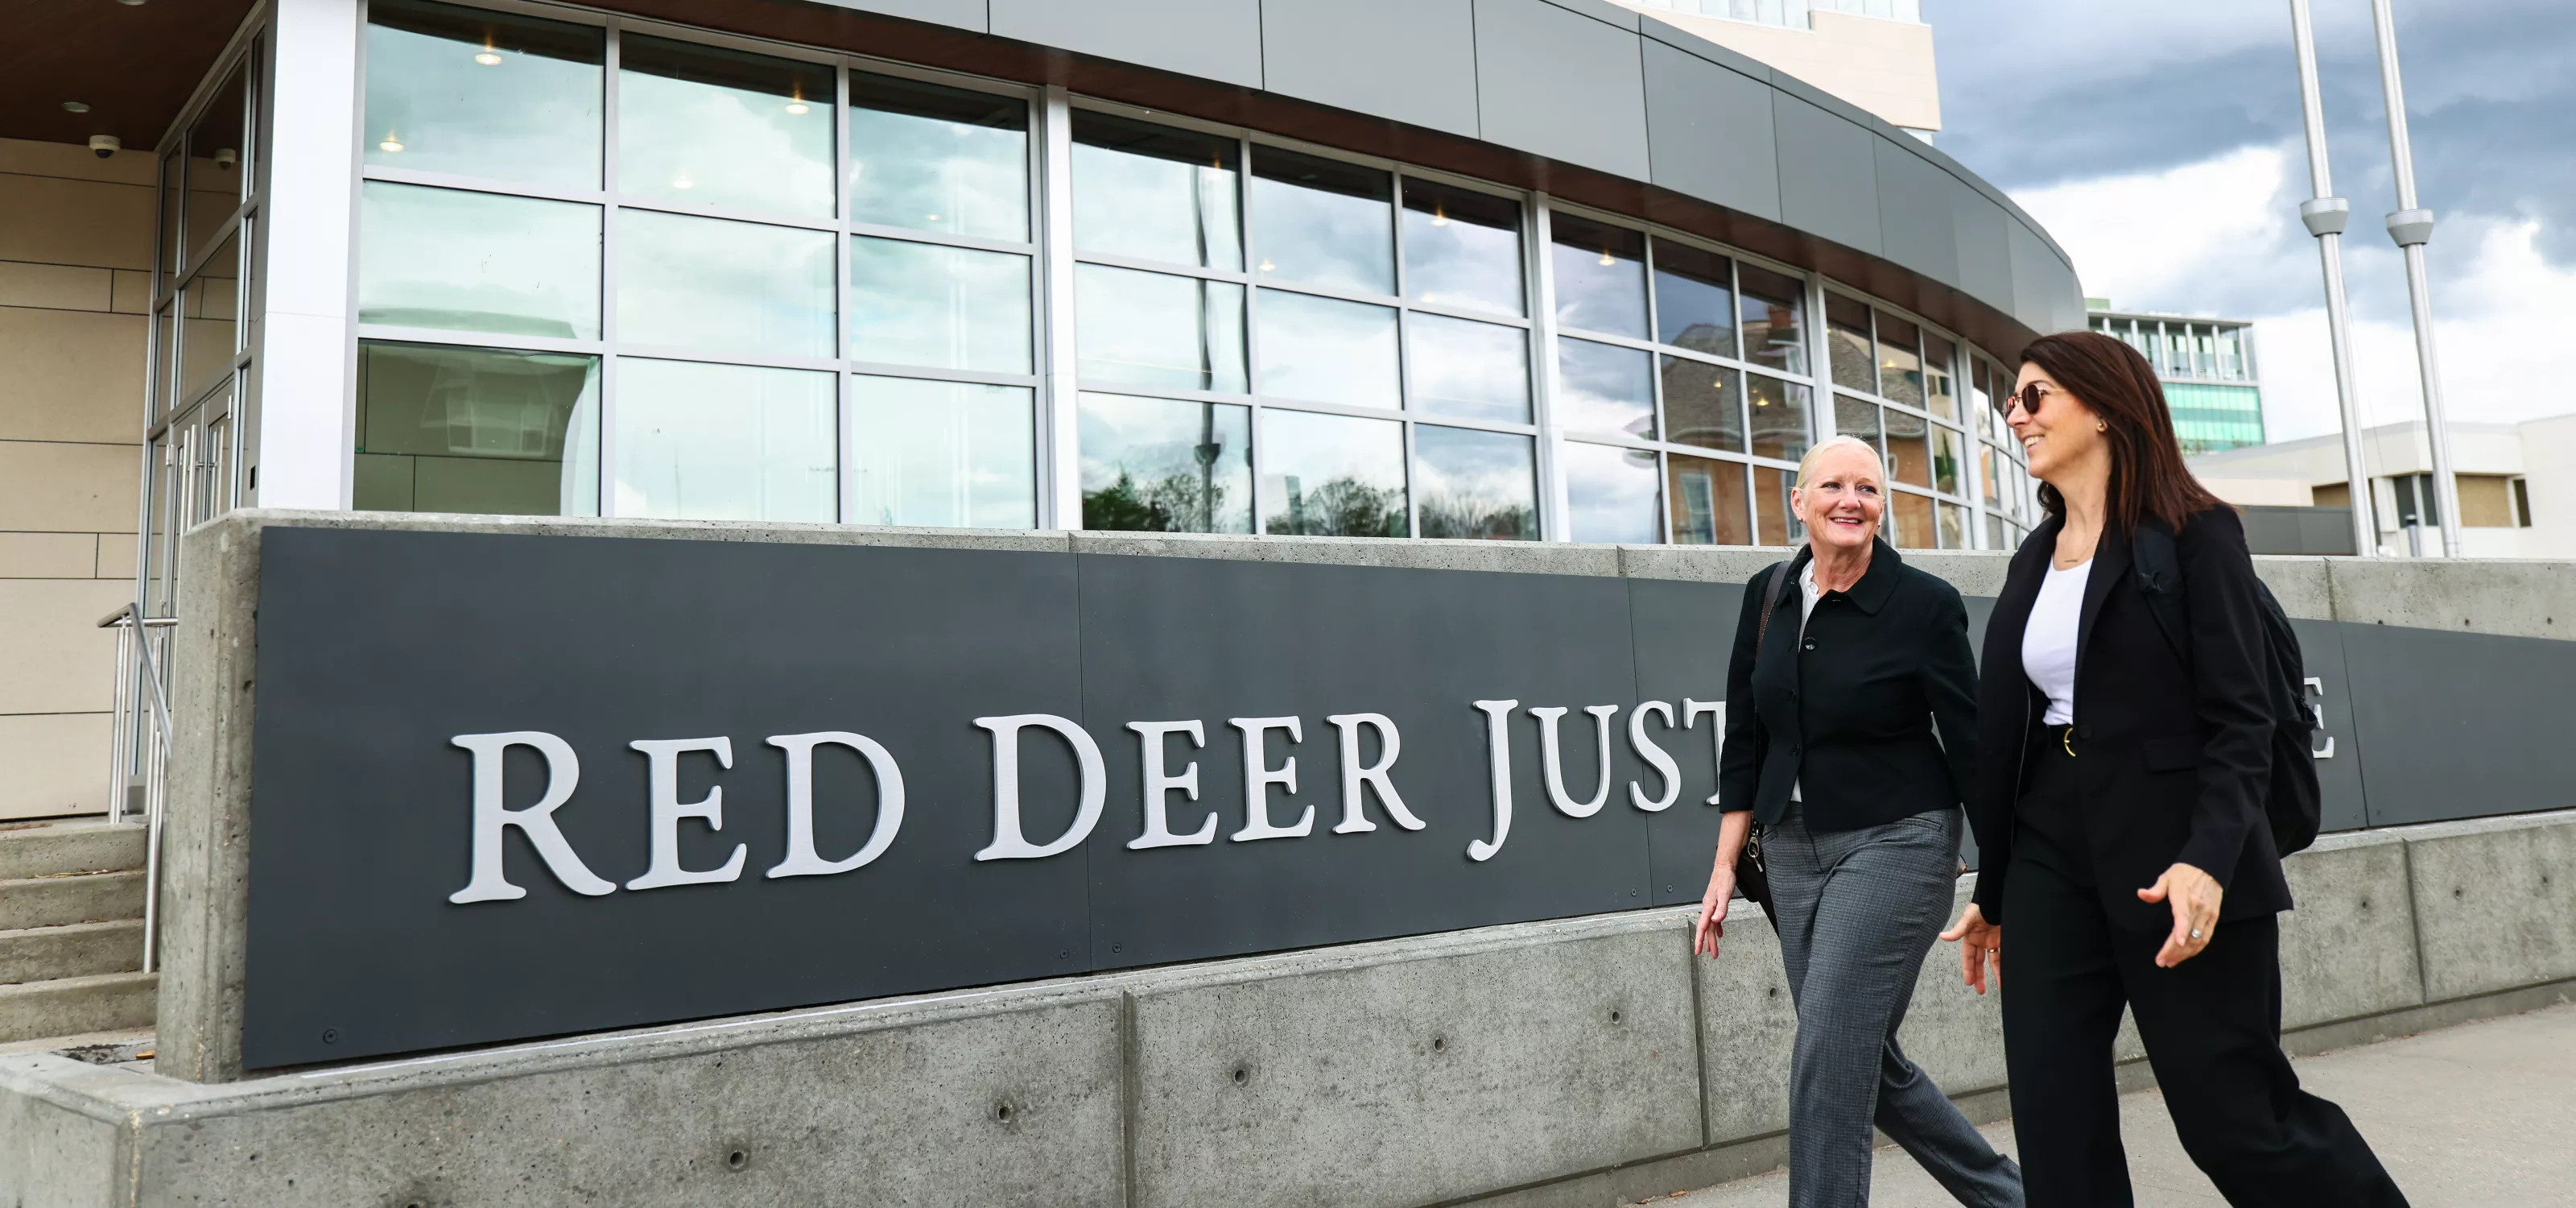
{"x": 2194, "y": 896}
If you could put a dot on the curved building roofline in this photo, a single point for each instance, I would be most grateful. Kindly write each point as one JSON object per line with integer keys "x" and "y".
{"x": 1583, "y": 99}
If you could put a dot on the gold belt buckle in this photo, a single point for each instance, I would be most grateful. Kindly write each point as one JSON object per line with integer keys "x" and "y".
{"x": 2067, "y": 739}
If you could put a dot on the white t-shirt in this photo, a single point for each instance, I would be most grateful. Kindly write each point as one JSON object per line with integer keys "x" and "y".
{"x": 2048, "y": 643}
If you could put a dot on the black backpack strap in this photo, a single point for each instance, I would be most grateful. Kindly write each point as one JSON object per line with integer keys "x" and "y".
{"x": 2158, "y": 568}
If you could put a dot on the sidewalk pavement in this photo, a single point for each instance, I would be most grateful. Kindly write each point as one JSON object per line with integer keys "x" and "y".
{"x": 2475, "y": 1116}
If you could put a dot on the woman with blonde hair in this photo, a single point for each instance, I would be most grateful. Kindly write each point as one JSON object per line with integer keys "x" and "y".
{"x": 1830, "y": 750}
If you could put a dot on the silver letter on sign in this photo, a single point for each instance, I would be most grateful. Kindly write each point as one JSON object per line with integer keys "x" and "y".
{"x": 1258, "y": 777}
{"x": 1498, "y": 756}
{"x": 1007, "y": 843}
{"x": 2317, "y": 684}
{"x": 1553, "y": 765}
{"x": 1354, "y": 775}
{"x": 537, "y": 822}
{"x": 1691, "y": 709}
{"x": 1654, "y": 756}
{"x": 802, "y": 860}
{"x": 662, "y": 758}
{"x": 1158, "y": 783}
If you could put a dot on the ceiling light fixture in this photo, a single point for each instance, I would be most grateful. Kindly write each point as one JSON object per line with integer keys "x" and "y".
{"x": 1439, "y": 217}
{"x": 490, "y": 57}
{"x": 131, "y": 3}
{"x": 392, "y": 143}
{"x": 796, "y": 101}
{"x": 75, "y": 107}
{"x": 1606, "y": 260}
{"x": 1267, "y": 266}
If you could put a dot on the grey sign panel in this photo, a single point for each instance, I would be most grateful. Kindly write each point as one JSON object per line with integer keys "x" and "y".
{"x": 2460, "y": 725}
{"x": 2337, "y": 750}
{"x": 1685, "y": 635}
{"x": 1828, "y": 174}
{"x": 377, "y": 648}
{"x": 1553, "y": 82}
{"x": 1213, "y": 39}
{"x": 964, "y": 14}
{"x": 1408, "y": 60}
{"x": 1710, "y": 132}
{"x": 1914, "y": 220}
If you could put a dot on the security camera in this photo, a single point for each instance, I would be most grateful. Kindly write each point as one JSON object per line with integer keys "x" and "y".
{"x": 226, "y": 158}
{"x": 104, "y": 145}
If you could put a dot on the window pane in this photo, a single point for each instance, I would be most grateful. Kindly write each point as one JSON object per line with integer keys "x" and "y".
{"x": 1172, "y": 333}
{"x": 1980, "y": 393}
{"x": 1606, "y": 388}
{"x": 1694, "y": 299}
{"x": 1707, "y": 498}
{"x": 948, "y": 307}
{"x": 1948, "y": 450}
{"x": 1469, "y": 370}
{"x": 210, "y": 321}
{"x": 1912, "y": 517}
{"x": 1847, "y": 337}
{"x": 1856, "y": 417}
{"x": 1996, "y": 536}
{"x": 1900, "y": 360}
{"x": 1782, "y": 428}
{"x": 173, "y": 201}
{"x": 1154, "y": 192}
{"x": 217, "y": 179}
{"x": 1600, "y": 276}
{"x": 1476, "y": 484}
{"x": 943, "y": 454}
{"x": 165, "y": 361}
{"x": 1954, "y": 527}
{"x": 1909, "y": 448}
{"x": 1328, "y": 350}
{"x": 1774, "y": 523}
{"x": 724, "y": 442}
{"x": 463, "y": 261}
{"x": 733, "y": 286}
{"x": 1331, "y": 475}
{"x": 1610, "y": 493}
{"x": 1156, "y": 465}
{"x": 1940, "y": 389}
{"x": 445, "y": 429}
{"x": 1988, "y": 460}
{"x": 722, "y": 128}
{"x": 481, "y": 93}
{"x": 938, "y": 159}
{"x": 1461, "y": 248}
{"x": 1703, "y": 405}
{"x": 1774, "y": 306}
{"x": 1323, "y": 222}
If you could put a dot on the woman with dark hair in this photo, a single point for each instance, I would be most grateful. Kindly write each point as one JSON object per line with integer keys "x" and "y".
{"x": 2120, "y": 821}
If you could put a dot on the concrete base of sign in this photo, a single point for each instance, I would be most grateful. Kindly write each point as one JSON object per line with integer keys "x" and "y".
{"x": 1583, "y": 1062}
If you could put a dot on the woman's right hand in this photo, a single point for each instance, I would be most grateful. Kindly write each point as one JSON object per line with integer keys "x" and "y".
{"x": 1980, "y": 942}
{"x": 1712, "y": 909}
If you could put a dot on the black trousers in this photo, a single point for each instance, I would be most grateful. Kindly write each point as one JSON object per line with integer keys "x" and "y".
{"x": 2212, "y": 1027}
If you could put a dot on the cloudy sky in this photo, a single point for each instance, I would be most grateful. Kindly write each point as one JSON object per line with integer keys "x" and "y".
{"x": 2161, "y": 144}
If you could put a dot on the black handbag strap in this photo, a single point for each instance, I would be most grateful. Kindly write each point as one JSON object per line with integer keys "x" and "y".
{"x": 1770, "y": 597}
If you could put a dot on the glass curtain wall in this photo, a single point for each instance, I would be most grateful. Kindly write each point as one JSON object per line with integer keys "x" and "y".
{"x": 608, "y": 271}
{"x": 1896, "y": 386}
{"x": 2006, "y": 492}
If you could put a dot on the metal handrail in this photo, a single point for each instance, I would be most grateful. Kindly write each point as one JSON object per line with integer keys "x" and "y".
{"x": 147, "y": 744}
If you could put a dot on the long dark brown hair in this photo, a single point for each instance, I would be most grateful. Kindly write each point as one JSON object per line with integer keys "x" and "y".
{"x": 2148, "y": 479}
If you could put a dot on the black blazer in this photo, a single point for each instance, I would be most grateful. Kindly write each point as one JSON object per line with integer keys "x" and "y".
{"x": 2173, "y": 746}
{"x": 1847, "y": 714}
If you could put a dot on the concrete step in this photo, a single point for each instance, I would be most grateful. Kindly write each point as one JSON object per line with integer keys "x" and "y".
{"x": 33, "y": 954}
{"x": 86, "y": 898}
{"x": 70, "y": 1006}
{"x": 45, "y": 849}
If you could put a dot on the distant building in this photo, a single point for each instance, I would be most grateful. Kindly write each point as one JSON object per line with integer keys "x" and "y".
{"x": 2517, "y": 484}
{"x": 2207, "y": 366}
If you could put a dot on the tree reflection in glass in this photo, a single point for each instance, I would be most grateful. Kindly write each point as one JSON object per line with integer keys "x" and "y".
{"x": 930, "y": 158}
{"x": 1322, "y": 222}
{"x": 944, "y": 307}
{"x": 1469, "y": 370}
{"x": 1328, "y": 350}
{"x": 1332, "y": 475}
{"x": 462, "y": 261}
{"x": 718, "y": 127}
{"x": 1610, "y": 493}
{"x": 1600, "y": 276}
{"x": 1157, "y": 330}
{"x": 1165, "y": 466}
{"x": 1605, "y": 388}
{"x": 480, "y": 93}
{"x": 942, "y": 454}
{"x": 1461, "y": 247}
{"x": 1475, "y": 484}
{"x": 699, "y": 441}
{"x": 1155, "y": 192}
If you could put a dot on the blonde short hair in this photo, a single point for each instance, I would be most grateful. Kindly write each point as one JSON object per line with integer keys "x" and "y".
{"x": 1807, "y": 464}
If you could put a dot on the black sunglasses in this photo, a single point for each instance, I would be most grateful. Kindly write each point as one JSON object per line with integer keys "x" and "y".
{"x": 2029, "y": 396}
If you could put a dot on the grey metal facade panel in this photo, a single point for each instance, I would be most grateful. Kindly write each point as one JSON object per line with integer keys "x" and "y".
{"x": 1914, "y": 214}
{"x": 2038, "y": 280}
{"x": 1828, "y": 174}
{"x": 1980, "y": 230}
{"x": 1599, "y": 10}
{"x": 1410, "y": 60}
{"x": 964, "y": 14}
{"x": 1697, "y": 46}
{"x": 1211, "y": 39}
{"x": 1709, "y": 132}
{"x": 1553, "y": 82}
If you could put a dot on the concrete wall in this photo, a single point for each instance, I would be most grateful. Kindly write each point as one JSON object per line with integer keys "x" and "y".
{"x": 75, "y": 285}
{"x": 1583, "y": 1062}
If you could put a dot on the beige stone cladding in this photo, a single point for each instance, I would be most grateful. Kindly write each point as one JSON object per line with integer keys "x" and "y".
{"x": 75, "y": 284}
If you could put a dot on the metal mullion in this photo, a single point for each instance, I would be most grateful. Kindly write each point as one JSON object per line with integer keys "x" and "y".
{"x": 1820, "y": 370}
{"x": 1136, "y": 390}
{"x": 610, "y": 130}
{"x": 1538, "y": 286}
{"x": 1159, "y": 117}
{"x": 480, "y": 339}
{"x": 1051, "y": 219}
{"x": 192, "y": 263}
{"x": 1170, "y": 268}
{"x": 1654, "y": 362}
{"x": 722, "y": 356}
{"x": 1630, "y": 342}
{"x": 1404, "y": 355}
{"x": 1024, "y": 381}
{"x": 1743, "y": 401}
{"x": 485, "y": 184}
{"x": 1468, "y": 313}
{"x": 844, "y": 387}
{"x": 1389, "y": 301}
{"x": 1476, "y": 425}
{"x": 663, "y": 205}
{"x": 1322, "y": 407}
{"x": 871, "y": 65}
{"x": 978, "y": 243}
{"x": 1412, "y": 496}
{"x": 1251, "y": 322}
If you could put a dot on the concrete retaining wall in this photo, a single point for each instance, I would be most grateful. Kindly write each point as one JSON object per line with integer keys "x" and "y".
{"x": 1579, "y": 1062}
